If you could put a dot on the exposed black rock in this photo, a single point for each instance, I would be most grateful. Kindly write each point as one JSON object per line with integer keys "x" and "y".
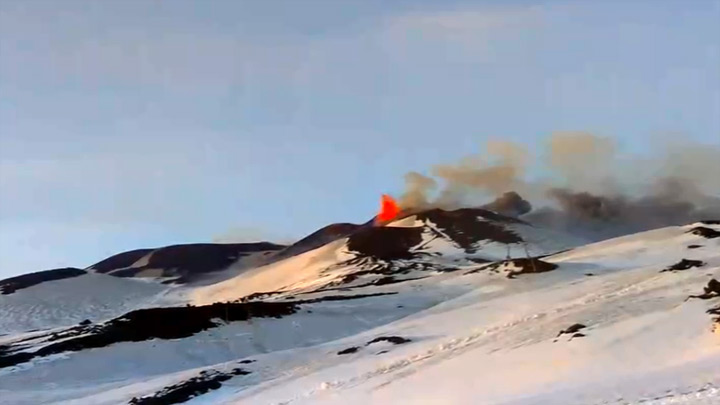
{"x": 85, "y": 322}
{"x": 152, "y": 323}
{"x": 120, "y": 260}
{"x": 349, "y": 350}
{"x": 712, "y": 290}
{"x": 468, "y": 226}
{"x": 397, "y": 340}
{"x": 525, "y": 265}
{"x": 574, "y": 328}
{"x": 385, "y": 243}
{"x": 577, "y": 335}
{"x": 342, "y": 297}
{"x": 317, "y": 239}
{"x": 684, "y": 264}
{"x": 12, "y": 284}
{"x": 183, "y": 262}
{"x": 711, "y": 222}
{"x": 694, "y": 246}
{"x": 707, "y": 233}
{"x": 259, "y": 295}
{"x": 206, "y": 381}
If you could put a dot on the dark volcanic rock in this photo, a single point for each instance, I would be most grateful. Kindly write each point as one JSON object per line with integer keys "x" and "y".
{"x": 206, "y": 381}
{"x": 694, "y": 246}
{"x": 684, "y": 264}
{"x": 707, "y": 233}
{"x": 574, "y": 328}
{"x": 151, "y": 323}
{"x": 204, "y": 257}
{"x": 712, "y": 290}
{"x": 711, "y": 222}
{"x": 525, "y": 265}
{"x": 120, "y": 260}
{"x": 157, "y": 323}
{"x": 385, "y": 243}
{"x": 317, "y": 239}
{"x": 397, "y": 340}
{"x": 12, "y": 284}
{"x": 349, "y": 350}
{"x": 468, "y": 226}
{"x": 184, "y": 262}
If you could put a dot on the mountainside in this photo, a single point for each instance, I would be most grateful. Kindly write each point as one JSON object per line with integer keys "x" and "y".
{"x": 449, "y": 307}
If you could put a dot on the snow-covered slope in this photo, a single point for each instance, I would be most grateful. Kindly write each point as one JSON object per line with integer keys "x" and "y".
{"x": 426, "y": 310}
{"x": 414, "y": 247}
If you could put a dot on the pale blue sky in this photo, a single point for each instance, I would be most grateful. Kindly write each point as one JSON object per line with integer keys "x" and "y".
{"x": 137, "y": 123}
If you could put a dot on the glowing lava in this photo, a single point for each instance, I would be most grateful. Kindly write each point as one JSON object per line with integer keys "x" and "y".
{"x": 389, "y": 209}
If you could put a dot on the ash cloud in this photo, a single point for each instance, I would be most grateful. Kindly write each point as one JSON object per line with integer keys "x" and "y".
{"x": 510, "y": 204}
{"x": 589, "y": 187}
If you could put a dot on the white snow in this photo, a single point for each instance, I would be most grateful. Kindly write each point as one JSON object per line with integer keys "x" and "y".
{"x": 69, "y": 301}
{"x": 475, "y": 338}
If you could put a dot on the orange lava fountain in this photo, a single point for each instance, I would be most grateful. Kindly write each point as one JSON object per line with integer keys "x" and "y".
{"x": 389, "y": 209}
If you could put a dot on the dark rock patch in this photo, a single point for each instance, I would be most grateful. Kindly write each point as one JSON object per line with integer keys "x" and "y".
{"x": 342, "y": 297}
{"x": 468, "y": 226}
{"x": 13, "y": 284}
{"x": 397, "y": 340}
{"x": 85, "y": 322}
{"x": 152, "y": 323}
{"x": 711, "y": 222}
{"x": 577, "y": 335}
{"x": 259, "y": 295}
{"x": 349, "y": 350}
{"x": 385, "y": 243}
{"x": 158, "y": 323}
{"x": 447, "y": 269}
{"x": 120, "y": 260}
{"x": 248, "y": 361}
{"x": 132, "y": 272}
{"x": 589, "y": 274}
{"x": 707, "y": 233}
{"x": 317, "y": 239}
{"x": 684, "y": 264}
{"x": 694, "y": 246}
{"x": 525, "y": 265}
{"x": 205, "y": 382}
{"x": 182, "y": 262}
{"x": 386, "y": 280}
{"x": 187, "y": 260}
{"x": 574, "y": 328}
{"x": 714, "y": 311}
{"x": 712, "y": 290}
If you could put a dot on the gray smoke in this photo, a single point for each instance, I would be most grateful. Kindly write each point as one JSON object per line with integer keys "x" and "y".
{"x": 590, "y": 187}
{"x": 510, "y": 204}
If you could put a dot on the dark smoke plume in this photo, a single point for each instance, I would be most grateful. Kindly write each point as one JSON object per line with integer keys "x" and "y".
{"x": 590, "y": 189}
{"x": 510, "y": 204}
